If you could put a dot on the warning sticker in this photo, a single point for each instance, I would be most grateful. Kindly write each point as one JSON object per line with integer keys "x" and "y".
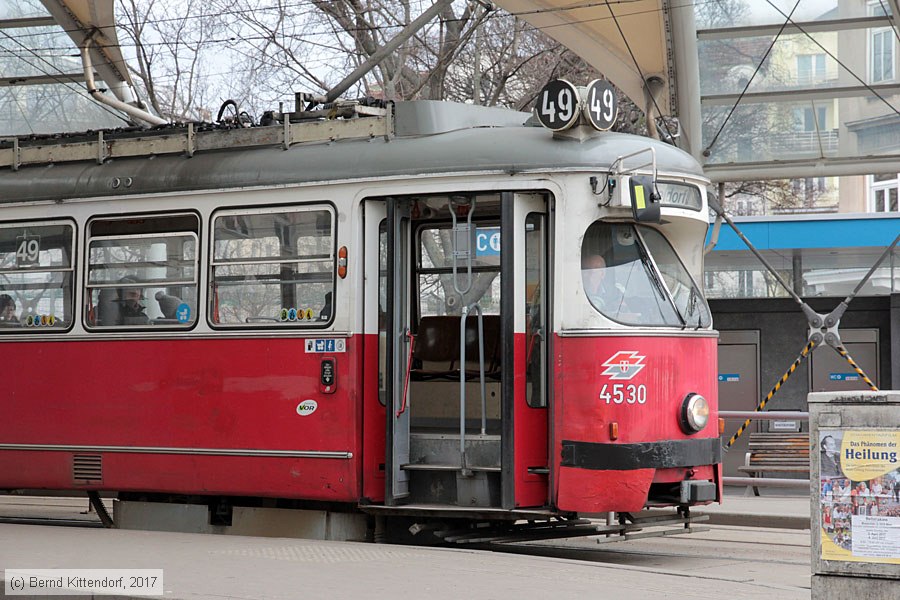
{"x": 314, "y": 346}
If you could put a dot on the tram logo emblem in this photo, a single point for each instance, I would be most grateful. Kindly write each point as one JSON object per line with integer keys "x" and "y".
{"x": 624, "y": 364}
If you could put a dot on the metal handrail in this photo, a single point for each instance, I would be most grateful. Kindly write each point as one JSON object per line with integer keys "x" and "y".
{"x": 764, "y": 416}
{"x": 467, "y": 310}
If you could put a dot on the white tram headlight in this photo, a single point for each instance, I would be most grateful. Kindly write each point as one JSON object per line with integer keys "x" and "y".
{"x": 694, "y": 413}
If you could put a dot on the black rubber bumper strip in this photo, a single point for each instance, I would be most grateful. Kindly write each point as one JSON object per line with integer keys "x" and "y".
{"x": 647, "y": 455}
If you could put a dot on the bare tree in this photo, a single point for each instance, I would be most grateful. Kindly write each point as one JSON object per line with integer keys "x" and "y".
{"x": 176, "y": 47}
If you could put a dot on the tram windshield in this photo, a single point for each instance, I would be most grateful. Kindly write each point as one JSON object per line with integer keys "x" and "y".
{"x": 633, "y": 276}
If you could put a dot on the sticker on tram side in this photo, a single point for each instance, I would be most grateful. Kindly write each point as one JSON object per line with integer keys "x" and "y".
{"x": 183, "y": 312}
{"x": 307, "y": 407}
{"x": 314, "y": 346}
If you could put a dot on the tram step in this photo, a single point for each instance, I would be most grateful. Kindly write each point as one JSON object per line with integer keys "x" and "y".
{"x": 448, "y": 484}
{"x": 482, "y": 451}
{"x": 445, "y": 467}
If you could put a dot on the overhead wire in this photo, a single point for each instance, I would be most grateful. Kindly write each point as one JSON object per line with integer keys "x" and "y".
{"x": 490, "y": 16}
{"x": 838, "y": 61}
{"x": 493, "y": 16}
{"x": 708, "y": 149}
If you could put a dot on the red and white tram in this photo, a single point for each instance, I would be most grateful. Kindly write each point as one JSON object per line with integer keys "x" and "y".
{"x": 434, "y": 310}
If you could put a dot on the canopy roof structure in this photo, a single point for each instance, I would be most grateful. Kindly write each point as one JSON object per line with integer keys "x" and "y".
{"x": 762, "y": 89}
{"x": 42, "y": 77}
{"x": 639, "y": 45}
{"x": 759, "y": 89}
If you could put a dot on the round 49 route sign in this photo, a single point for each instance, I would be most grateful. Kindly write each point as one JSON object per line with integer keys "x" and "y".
{"x": 557, "y": 105}
{"x": 600, "y": 106}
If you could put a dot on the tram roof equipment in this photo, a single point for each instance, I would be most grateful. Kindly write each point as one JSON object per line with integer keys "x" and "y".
{"x": 404, "y": 139}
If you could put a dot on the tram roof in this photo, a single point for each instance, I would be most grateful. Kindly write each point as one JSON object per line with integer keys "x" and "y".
{"x": 429, "y": 138}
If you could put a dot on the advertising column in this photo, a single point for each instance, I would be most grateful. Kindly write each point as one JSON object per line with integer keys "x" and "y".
{"x": 856, "y": 493}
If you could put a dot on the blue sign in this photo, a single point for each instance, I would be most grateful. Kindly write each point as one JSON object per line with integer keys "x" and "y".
{"x": 729, "y": 377}
{"x": 843, "y": 377}
{"x": 183, "y": 313}
{"x": 487, "y": 241}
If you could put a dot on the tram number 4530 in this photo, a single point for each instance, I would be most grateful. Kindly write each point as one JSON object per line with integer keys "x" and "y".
{"x": 620, "y": 393}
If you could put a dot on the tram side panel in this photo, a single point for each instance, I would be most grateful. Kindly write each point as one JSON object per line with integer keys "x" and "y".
{"x": 186, "y": 416}
{"x": 618, "y": 417}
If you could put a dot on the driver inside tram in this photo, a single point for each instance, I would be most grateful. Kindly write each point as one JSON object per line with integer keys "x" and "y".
{"x": 593, "y": 267}
{"x": 603, "y": 291}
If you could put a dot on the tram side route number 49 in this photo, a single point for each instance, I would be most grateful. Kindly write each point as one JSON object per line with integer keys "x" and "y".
{"x": 560, "y": 104}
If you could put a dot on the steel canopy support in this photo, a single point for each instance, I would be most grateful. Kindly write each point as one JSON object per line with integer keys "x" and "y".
{"x": 687, "y": 80}
{"x": 385, "y": 50}
{"x": 807, "y": 167}
{"x": 105, "y": 64}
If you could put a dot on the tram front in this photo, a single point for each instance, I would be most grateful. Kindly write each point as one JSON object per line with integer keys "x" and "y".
{"x": 635, "y": 401}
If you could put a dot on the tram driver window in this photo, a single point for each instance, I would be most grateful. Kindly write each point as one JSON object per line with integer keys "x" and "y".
{"x": 273, "y": 268}
{"x": 142, "y": 272}
{"x": 633, "y": 276}
{"x": 36, "y": 283}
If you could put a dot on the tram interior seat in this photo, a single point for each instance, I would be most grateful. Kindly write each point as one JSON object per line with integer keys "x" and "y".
{"x": 437, "y": 350}
{"x": 108, "y": 313}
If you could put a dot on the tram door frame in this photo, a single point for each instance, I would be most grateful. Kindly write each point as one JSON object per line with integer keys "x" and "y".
{"x": 526, "y": 419}
{"x": 397, "y": 347}
{"x": 525, "y": 429}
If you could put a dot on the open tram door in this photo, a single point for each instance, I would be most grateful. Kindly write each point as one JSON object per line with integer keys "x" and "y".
{"x": 462, "y": 357}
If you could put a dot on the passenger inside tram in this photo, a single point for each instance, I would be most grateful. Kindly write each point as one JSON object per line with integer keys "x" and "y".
{"x": 131, "y": 302}
{"x": 8, "y": 309}
{"x": 168, "y": 305}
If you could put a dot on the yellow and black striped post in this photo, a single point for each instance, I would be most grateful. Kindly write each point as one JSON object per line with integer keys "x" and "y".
{"x": 843, "y": 352}
{"x": 803, "y": 354}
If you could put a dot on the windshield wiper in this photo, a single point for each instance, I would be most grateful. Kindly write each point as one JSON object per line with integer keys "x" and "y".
{"x": 657, "y": 282}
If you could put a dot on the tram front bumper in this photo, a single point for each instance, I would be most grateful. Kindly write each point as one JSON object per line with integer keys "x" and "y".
{"x": 601, "y": 477}
{"x": 645, "y": 455}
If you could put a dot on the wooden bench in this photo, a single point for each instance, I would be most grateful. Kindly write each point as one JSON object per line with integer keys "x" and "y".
{"x": 777, "y": 452}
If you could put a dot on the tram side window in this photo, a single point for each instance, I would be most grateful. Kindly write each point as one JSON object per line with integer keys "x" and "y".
{"x": 273, "y": 268}
{"x": 142, "y": 272}
{"x": 36, "y": 282}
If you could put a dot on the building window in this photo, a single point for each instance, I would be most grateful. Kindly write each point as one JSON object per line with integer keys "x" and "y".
{"x": 882, "y": 55}
{"x": 883, "y": 193}
{"x": 881, "y": 45}
{"x": 810, "y": 69}
{"x": 808, "y": 120}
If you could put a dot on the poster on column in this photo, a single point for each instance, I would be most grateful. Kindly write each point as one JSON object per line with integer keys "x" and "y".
{"x": 859, "y": 495}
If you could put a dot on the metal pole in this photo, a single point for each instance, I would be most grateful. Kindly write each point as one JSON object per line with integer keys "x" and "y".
{"x": 765, "y": 416}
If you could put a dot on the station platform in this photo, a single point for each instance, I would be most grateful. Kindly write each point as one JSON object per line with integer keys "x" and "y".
{"x": 747, "y": 561}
